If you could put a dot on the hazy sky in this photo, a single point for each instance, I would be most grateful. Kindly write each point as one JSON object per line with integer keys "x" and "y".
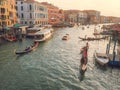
{"x": 107, "y": 7}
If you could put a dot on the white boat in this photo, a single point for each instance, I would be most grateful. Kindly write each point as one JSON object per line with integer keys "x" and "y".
{"x": 66, "y": 37}
{"x": 101, "y": 58}
{"x": 30, "y": 32}
{"x": 43, "y": 35}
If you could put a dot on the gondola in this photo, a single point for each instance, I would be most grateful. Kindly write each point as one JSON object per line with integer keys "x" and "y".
{"x": 84, "y": 59}
{"x": 89, "y": 38}
{"x": 92, "y": 38}
{"x": 28, "y": 49}
{"x": 101, "y": 58}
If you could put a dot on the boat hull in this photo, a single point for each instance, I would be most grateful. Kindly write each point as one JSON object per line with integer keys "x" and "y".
{"x": 22, "y": 52}
{"x": 44, "y": 35}
{"x": 29, "y": 50}
{"x": 101, "y": 58}
{"x": 66, "y": 37}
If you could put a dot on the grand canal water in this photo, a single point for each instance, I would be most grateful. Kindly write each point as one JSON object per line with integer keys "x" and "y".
{"x": 54, "y": 65}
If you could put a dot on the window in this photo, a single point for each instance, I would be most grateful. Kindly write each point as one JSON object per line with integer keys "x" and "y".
{"x": 16, "y": 8}
{"x": 25, "y": 22}
{"x": 21, "y": 2}
{"x": 22, "y": 16}
{"x": 2, "y": 10}
{"x": 17, "y": 14}
{"x": 30, "y": 7}
{"x": 21, "y": 8}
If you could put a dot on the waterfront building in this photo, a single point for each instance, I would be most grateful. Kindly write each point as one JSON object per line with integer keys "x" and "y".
{"x": 31, "y": 12}
{"x": 75, "y": 16}
{"x": 93, "y": 16}
{"x": 7, "y": 13}
{"x": 55, "y": 15}
{"x": 103, "y": 19}
{"x": 109, "y": 19}
{"x": 113, "y": 19}
{"x": 82, "y": 17}
{"x": 71, "y": 16}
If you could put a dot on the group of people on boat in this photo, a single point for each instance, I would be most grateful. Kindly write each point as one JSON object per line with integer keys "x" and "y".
{"x": 31, "y": 46}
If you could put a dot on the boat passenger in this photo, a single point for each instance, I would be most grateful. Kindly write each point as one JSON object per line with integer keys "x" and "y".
{"x": 27, "y": 48}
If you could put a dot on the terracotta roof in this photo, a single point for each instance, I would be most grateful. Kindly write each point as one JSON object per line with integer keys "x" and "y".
{"x": 29, "y": 1}
{"x": 49, "y": 5}
{"x": 90, "y": 11}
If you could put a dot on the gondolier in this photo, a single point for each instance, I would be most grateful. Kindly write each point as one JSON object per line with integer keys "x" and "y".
{"x": 84, "y": 59}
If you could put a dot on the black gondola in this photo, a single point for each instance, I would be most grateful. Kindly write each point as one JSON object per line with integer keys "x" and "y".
{"x": 28, "y": 49}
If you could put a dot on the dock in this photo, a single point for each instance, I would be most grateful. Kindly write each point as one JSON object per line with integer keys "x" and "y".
{"x": 117, "y": 57}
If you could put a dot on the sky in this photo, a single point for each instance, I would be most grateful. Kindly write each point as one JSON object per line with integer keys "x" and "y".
{"x": 106, "y": 7}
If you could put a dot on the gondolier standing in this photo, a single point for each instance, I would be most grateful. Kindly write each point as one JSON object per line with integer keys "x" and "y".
{"x": 84, "y": 54}
{"x": 84, "y": 59}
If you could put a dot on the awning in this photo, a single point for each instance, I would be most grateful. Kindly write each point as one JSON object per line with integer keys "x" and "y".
{"x": 16, "y": 25}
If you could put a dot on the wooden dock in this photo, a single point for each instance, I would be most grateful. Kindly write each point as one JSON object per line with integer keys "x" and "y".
{"x": 117, "y": 58}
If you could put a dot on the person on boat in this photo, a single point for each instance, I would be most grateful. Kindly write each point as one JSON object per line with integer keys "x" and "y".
{"x": 27, "y": 48}
{"x": 84, "y": 58}
{"x": 85, "y": 36}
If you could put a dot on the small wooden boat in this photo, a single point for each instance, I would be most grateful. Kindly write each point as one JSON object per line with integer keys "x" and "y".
{"x": 83, "y": 28}
{"x": 95, "y": 33}
{"x": 84, "y": 59}
{"x": 89, "y": 38}
{"x": 28, "y": 49}
{"x": 66, "y": 37}
{"x": 43, "y": 35}
{"x": 10, "y": 38}
{"x": 101, "y": 58}
{"x": 92, "y": 38}
{"x": 83, "y": 68}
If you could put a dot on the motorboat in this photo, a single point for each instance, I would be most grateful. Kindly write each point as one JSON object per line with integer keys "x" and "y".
{"x": 66, "y": 37}
{"x": 30, "y": 32}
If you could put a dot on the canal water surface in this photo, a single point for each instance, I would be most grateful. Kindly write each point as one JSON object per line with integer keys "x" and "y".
{"x": 54, "y": 64}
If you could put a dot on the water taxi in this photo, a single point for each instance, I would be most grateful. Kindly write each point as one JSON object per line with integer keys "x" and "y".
{"x": 43, "y": 35}
{"x": 30, "y": 32}
{"x": 66, "y": 37}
